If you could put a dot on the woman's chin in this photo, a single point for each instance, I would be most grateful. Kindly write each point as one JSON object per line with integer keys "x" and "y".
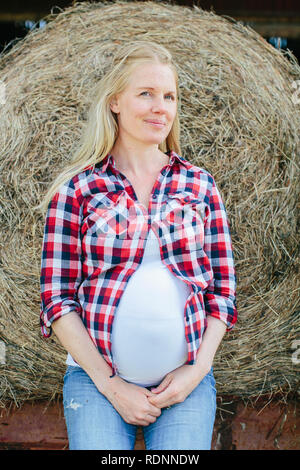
{"x": 155, "y": 139}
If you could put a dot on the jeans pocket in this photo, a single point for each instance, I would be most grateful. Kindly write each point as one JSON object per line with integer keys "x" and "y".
{"x": 70, "y": 371}
{"x": 212, "y": 380}
{"x": 69, "y": 380}
{"x": 213, "y": 390}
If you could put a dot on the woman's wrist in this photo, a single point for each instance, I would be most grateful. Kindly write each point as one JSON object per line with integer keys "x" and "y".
{"x": 108, "y": 387}
{"x": 210, "y": 342}
{"x": 203, "y": 365}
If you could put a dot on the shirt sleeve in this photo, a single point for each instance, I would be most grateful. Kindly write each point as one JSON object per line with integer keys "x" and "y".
{"x": 60, "y": 258}
{"x": 220, "y": 294}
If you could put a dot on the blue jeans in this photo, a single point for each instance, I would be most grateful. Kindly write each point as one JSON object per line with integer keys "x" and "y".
{"x": 93, "y": 423}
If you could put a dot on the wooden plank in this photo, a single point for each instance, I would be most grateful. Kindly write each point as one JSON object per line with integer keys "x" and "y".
{"x": 264, "y": 426}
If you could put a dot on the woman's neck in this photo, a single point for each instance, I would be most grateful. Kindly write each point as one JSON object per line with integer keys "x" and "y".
{"x": 138, "y": 162}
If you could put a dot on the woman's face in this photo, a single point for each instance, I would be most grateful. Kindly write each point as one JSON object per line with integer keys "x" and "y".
{"x": 146, "y": 109}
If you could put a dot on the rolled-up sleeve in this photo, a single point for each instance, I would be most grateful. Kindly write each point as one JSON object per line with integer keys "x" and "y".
{"x": 61, "y": 258}
{"x": 220, "y": 295}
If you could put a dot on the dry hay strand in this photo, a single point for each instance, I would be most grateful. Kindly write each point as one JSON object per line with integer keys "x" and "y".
{"x": 239, "y": 120}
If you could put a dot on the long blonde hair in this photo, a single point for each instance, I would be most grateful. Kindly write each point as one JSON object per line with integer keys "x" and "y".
{"x": 101, "y": 130}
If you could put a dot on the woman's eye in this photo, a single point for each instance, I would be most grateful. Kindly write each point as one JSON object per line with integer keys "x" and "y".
{"x": 168, "y": 97}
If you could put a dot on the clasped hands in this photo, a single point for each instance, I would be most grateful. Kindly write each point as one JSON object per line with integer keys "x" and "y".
{"x": 177, "y": 385}
{"x": 137, "y": 405}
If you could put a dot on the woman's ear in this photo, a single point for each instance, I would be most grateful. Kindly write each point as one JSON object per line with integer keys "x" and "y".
{"x": 114, "y": 105}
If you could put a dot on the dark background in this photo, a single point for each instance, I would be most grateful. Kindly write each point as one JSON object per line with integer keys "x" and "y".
{"x": 278, "y": 21}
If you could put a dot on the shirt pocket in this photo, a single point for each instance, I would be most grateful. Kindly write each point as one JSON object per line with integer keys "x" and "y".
{"x": 107, "y": 215}
{"x": 114, "y": 215}
{"x": 185, "y": 215}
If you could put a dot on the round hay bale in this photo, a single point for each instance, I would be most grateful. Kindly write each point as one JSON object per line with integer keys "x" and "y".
{"x": 239, "y": 121}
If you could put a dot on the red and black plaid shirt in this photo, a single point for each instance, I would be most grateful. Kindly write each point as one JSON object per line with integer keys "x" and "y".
{"x": 94, "y": 238}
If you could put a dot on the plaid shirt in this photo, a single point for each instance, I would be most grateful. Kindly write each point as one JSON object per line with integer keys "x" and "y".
{"x": 94, "y": 238}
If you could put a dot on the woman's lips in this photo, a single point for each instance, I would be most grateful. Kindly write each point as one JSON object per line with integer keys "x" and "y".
{"x": 155, "y": 123}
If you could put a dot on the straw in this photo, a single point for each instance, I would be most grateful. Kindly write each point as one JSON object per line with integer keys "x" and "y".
{"x": 240, "y": 121}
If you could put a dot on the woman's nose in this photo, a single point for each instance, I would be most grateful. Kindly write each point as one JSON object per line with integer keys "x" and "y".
{"x": 159, "y": 105}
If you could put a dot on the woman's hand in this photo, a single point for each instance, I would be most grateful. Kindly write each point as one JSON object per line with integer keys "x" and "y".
{"x": 132, "y": 402}
{"x": 177, "y": 385}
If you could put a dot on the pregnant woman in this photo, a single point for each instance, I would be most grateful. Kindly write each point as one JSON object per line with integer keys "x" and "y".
{"x": 137, "y": 272}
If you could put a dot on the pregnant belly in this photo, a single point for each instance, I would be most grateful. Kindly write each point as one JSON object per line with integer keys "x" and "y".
{"x": 148, "y": 333}
{"x": 144, "y": 353}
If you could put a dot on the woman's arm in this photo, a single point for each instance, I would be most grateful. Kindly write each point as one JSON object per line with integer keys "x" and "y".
{"x": 212, "y": 338}
{"x": 73, "y": 335}
{"x": 128, "y": 399}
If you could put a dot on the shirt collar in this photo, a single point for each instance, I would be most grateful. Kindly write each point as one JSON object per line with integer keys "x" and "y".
{"x": 109, "y": 160}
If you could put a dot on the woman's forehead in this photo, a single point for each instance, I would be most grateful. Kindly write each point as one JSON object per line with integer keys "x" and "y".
{"x": 153, "y": 76}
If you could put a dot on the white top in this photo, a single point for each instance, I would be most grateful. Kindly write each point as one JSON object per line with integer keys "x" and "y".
{"x": 148, "y": 332}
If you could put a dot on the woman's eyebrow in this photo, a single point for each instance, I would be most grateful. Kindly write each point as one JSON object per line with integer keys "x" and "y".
{"x": 151, "y": 88}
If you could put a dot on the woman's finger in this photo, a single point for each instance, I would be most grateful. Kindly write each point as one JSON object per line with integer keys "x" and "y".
{"x": 163, "y": 385}
{"x": 162, "y": 400}
{"x": 154, "y": 410}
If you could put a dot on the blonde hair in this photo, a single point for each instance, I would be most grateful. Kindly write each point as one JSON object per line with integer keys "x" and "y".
{"x": 102, "y": 126}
